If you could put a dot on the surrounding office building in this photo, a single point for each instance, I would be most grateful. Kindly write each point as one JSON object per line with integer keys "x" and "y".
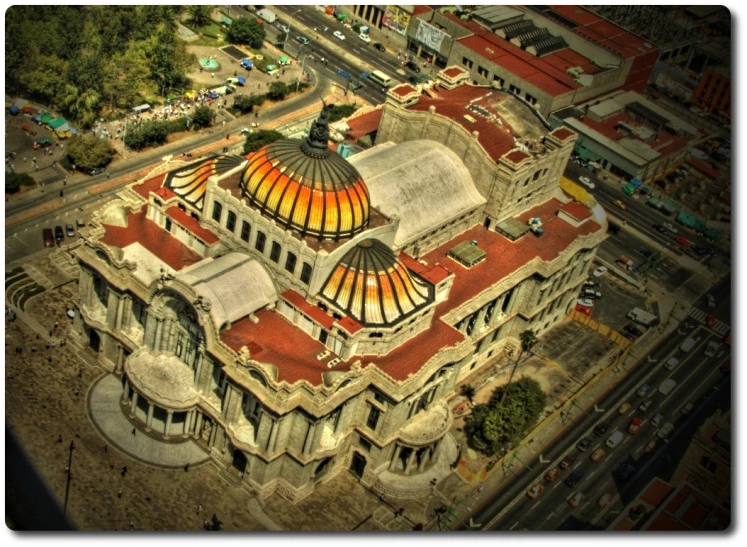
{"x": 299, "y": 314}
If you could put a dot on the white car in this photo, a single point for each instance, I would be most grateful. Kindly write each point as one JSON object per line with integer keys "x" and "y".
{"x": 365, "y": 38}
{"x": 672, "y": 363}
{"x": 599, "y": 272}
{"x": 670, "y": 228}
{"x": 588, "y": 302}
{"x": 665, "y": 431}
{"x": 339, "y": 35}
{"x": 712, "y": 348}
{"x": 586, "y": 181}
{"x": 711, "y": 301}
{"x": 656, "y": 420}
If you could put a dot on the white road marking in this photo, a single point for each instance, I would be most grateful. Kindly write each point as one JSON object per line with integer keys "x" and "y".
{"x": 515, "y": 525}
{"x": 535, "y": 505}
{"x": 558, "y": 484}
{"x": 550, "y": 515}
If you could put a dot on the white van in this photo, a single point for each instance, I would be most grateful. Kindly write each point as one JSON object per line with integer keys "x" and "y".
{"x": 667, "y": 386}
{"x": 687, "y": 345}
{"x": 380, "y": 78}
{"x": 614, "y": 439}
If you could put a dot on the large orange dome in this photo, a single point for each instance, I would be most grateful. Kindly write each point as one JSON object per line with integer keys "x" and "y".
{"x": 305, "y": 186}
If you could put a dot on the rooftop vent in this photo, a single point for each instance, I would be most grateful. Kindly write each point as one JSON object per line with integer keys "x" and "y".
{"x": 467, "y": 253}
{"x": 470, "y": 118}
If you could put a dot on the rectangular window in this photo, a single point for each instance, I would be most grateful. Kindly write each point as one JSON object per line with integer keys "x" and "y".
{"x": 482, "y": 71}
{"x": 514, "y": 89}
{"x": 246, "y": 229}
{"x": 217, "y": 211}
{"x": 231, "y": 221}
{"x": 275, "y": 253}
{"x": 306, "y": 273}
{"x": 365, "y": 443}
{"x": 260, "y": 243}
{"x": 290, "y": 263}
{"x": 373, "y": 418}
{"x": 500, "y": 80}
{"x": 467, "y": 62}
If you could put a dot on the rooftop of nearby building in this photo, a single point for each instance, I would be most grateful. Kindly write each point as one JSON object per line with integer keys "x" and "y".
{"x": 485, "y": 105}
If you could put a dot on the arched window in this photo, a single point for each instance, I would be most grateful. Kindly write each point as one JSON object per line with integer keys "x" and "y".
{"x": 260, "y": 243}
{"x": 217, "y": 211}
{"x": 306, "y": 273}
{"x": 290, "y": 263}
{"x": 275, "y": 252}
{"x": 246, "y": 229}
{"x": 231, "y": 222}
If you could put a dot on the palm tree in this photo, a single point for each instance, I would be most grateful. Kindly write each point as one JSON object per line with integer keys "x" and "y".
{"x": 468, "y": 391}
{"x": 199, "y": 16}
{"x": 528, "y": 340}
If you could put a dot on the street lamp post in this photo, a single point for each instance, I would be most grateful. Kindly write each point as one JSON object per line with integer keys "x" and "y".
{"x": 303, "y": 64}
{"x": 290, "y": 20}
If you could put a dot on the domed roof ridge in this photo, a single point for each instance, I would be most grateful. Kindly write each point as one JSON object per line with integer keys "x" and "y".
{"x": 370, "y": 283}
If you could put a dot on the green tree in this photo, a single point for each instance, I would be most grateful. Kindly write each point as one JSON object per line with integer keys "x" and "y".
{"x": 203, "y": 117}
{"x": 14, "y": 181}
{"x": 81, "y": 106}
{"x": 278, "y": 91}
{"x": 468, "y": 391}
{"x": 528, "y": 340}
{"x": 199, "y": 16}
{"x": 255, "y": 141}
{"x": 243, "y": 103}
{"x": 89, "y": 151}
{"x": 340, "y": 111}
{"x": 247, "y": 31}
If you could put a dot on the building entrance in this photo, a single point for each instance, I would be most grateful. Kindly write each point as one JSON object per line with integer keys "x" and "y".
{"x": 357, "y": 465}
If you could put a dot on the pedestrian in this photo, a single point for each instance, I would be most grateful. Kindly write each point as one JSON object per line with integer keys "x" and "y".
{"x": 64, "y": 181}
{"x": 59, "y": 439}
{"x": 24, "y": 159}
{"x": 49, "y": 359}
{"x": 228, "y": 135}
{"x": 108, "y": 175}
{"x": 199, "y": 509}
{"x": 224, "y": 123}
{"x": 186, "y": 468}
{"x": 124, "y": 471}
{"x": 56, "y": 324}
{"x": 76, "y": 389}
{"x": 67, "y": 469}
{"x": 119, "y": 494}
{"x": 133, "y": 431}
{"x": 106, "y": 448}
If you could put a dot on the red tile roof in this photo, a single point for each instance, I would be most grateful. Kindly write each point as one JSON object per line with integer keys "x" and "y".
{"x": 562, "y": 133}
{"x": 313, "y": 312}
{"x": 703, "y": 168}
{"x": 434, "y": 274}
{"x": 420, "y": 9}
{"x": 165, "y": 193}
{"x": 154, "y": 238}
{"x": 150, "y": 185}
{"x": 454, "y": 72}
{"x": 192, "y": 225}
{"x": 453, "y": 104}
{"x": 364, "y": 124}
{"x": 576, "y": 210}
{"x": 274, "y": 341}
{"x": 349, "y": 324}
{"x": 517, "y": 156}
{"x": 403, "y": 90}
{"x": 504, "y": 256}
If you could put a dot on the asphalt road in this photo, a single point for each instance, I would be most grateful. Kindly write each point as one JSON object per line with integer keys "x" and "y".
{"x": 508, "y": 508}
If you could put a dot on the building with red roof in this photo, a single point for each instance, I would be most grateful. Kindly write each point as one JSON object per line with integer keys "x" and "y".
{"x": 313, "y": 314}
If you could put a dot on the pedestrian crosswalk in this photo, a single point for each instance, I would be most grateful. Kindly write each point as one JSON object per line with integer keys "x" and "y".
{"x": 692, "y": 289}
{"x": 719, "y": 326}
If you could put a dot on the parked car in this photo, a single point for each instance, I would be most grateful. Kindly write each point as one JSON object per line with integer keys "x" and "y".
{"x": 712, "y": 348}
{"x": 59, "y": 235}
{"x": 600, "y": 271}
{"x": 649, "y": 446}
{"x": 601, "y": 428}
{"x": 669, "y": 228}
{"x": 80, "y": 223}
{"x": 282, "y": 27}
{"x": 48, "y": 237}
{"x": 623, "y": 408}
{"x": 339, "y": 35}
{"x": 576, "y": 499}
{"x": 96, "y": 171}
{"x": 614, "y": 439}
{"x": 626, "y": 471}
{"x": 552, "y": 474}
{"x": 573, "y": 478}
{"x": 303, "y": 40}
{"x": 656, "y": 420}
{"x": 632, "y": 329}
{"x": 645, "y": 388}
{"x": 671, "y": 363}
{"x": 379, "y": 46}
{"x": 412, "y": 65}
{"x": 605, "y": 500}
{"x": 364, "y": 37}
{"x": 535, "y": 491}
{"x": 70, "y": 230}
{"x": 589, "y": 283}
{"x": 644, "y": 406}
{"x": 619, "y": 204}
{"x": 659, "y": 228}
{"x": 665, "y": 431}
{"x": 583, "y": 309}
{"x": 667, "y": 386}
{"x": 586, "y": 181}
{"x": 687, "y": 409}
{"x": 634, "y": 426}
{"x": 584, "y": 444}
{"x": 597, "y": 455}
{"x": 567, "y": 462}
{"x": 588, "y": 292}
{"x": 588, "y": 302}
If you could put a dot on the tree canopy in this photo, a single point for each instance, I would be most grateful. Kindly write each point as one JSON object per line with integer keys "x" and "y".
{"x": 255, "y": 141}
{"x": 84, "y": 59}
{"x": 247, "y": 31}
{"x": 203, "y": 117}
{"x": 495, "y": 426}
{"x": 89, "y": 151}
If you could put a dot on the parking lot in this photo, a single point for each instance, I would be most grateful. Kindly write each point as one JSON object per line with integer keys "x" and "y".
{"x": 616, "y": 302}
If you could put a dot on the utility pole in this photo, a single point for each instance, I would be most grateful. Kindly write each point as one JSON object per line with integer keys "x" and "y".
{"x": 303, "y": 64}
{"x": 290, "y": 21}
{"x": 69, "y": 476}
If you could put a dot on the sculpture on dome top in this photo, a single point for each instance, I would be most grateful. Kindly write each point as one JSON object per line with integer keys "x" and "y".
{"x": 316, "y": 143}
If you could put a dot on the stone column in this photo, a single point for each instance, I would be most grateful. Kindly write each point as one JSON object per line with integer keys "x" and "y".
{"x": 169, "y": 419}
{"x": 133, "y": 405}
{"x": 126, "y": 391}
{"x": 480, "y": 321}
{"x": 159, "y": 331}
{"x": 198, "y": 425}
{"x": 187, "y": 423}
{"x": 410, "y": 461}
{"x": 198, "y": 368}
{"x": 120, "y": 313}
{"x": 149, "y": 419}
{"x": 272, "y": 441}
{"x": 395, "y": 458}
{"x": 309, "y": 438}
{"x": 213, "y": 434}
{"x": 120, "y": 360}
{"x": 437, "y": 449}
{"x": 172, "y": 336}
{"x": 423, "y": 459}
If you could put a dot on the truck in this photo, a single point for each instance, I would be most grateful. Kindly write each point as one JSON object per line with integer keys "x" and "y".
{"x": 642, "y": 317}
{"x": 267, "y": 15}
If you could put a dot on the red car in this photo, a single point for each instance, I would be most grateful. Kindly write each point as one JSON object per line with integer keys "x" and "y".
{"x": 635, "y": 425}
{"x": 710, "y": 320}
{"x": 583, "y": 309}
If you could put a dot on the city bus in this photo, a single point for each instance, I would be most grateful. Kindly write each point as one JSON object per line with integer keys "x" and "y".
{"x": 380, "y": 78}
